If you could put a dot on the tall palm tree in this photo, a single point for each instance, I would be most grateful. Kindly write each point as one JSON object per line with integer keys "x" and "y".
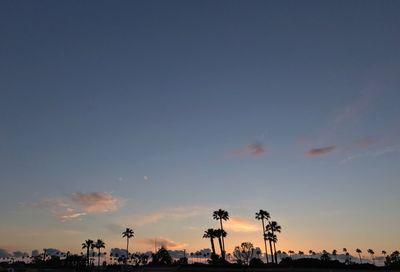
{"x": 99, "y": 244}
{"x": 220, "y": 234}
{"x": 88, "y": 244}
{"x": 359, "y": 253}
{"x": 271, "y": 239}
{"x": 263, "y": 215}
{"x": 128, "y": 233}
{"x": 274, "y": 227}
{"x": 371, "y": 252}
{"x": 211, "y": 234}
{"x": 221, "y": 215}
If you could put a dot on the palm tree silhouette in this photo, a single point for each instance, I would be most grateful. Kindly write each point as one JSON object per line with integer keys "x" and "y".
{"x": 220, "y": 234}
{"x": 221, "y": 215}
{"x": 271, "y": 239}
{"x": 359, "y": 253}
{"x": 128, "y": 233}
{"x": 274, "y": 227}
{"x": 384, "y": 252}
{"x": 88, "y": 244}
{"x": 263, "y": 215}
{"x": 371, "y": 252}
{"x": 99, "y": 244}
{"x": 334, "y": 253}
{"x": 211, "y": 234}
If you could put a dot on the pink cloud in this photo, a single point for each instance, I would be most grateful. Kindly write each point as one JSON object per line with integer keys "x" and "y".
{"x": 96, "y": 202}
{"x": 322, "y": 151}
{"x": 78, "y": 205}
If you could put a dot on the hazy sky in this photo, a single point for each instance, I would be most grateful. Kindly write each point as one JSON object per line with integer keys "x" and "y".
{"x": 153, "y": 114}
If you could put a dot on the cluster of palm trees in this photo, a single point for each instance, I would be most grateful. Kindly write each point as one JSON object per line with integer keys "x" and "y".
{"x": 220, "y": 215}
{"x": 269, "y": 230}
{"x": 91, "y": 245}
{"x": 99, "y": 244}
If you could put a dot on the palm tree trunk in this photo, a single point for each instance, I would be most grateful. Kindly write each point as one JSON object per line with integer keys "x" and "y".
{"x": 127, "y": 248}
{"x": 265, "y": 240}
{"x": 87, "y": 256}
{"x": 272, "y": 253}
{"x": 220, "y": 245}
{"x": 98, "y": 259}
{"x": 276, "y": 257}
{"x": 212, "y": 245}
{"x": 223, "y": 242}
{"x": 359, "y": 255}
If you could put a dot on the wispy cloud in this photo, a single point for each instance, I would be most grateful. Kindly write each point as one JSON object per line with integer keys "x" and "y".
{"x": 77, "y": 205}
{"x": 170, "y": 214}
{"x": 237, "y": 224}
{"x": 253, "y": 150}
{"x": 163, "y": 242}
{"x": 321, "y": 151}
{"x": 372, "y": 153}
{"x": 96, "y": 202}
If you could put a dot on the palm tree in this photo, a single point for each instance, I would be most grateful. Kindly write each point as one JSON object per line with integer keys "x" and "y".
{"x": 371, "y": 252}
{"x": 211, "y": 233}
{"x": 99, "y": 244}
{"x": 334, "y": 253}
{"x": 271, "y": 239}
{"x": 221, "y": 215}
{"x": 220, "y": 234}
{"x": 128, "y": 233}
{"x": 384, "y": 252}
{"x": 274, "y": 227}
{"x": 263, "y": 215}
{"x": 88, "y": 245}
{"x": 359, "y": 253}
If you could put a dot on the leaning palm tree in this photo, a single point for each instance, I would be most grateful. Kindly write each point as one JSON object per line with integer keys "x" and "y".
{"x": 99, "y": 244}
{"x": 371, "y": 252}
{"x": 221, "y": 215}
{"x": 263, "y": 215}
{"x": 359, "y": 253}
{"x": 274, "y": 227}
{"x": 128, "y": 233}
{"x": 88, "y": 244}
{"x": 271, "y": 239}
{"x": 220, "y": 234}
{"x": 210, "y": 233}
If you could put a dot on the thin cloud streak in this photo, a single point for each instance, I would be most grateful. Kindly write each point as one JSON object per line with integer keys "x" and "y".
{"x": 321, "y": 151}
{"x": 170, "y": 214}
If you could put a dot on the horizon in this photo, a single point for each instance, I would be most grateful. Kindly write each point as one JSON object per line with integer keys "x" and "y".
{"x": 151, "y": 115}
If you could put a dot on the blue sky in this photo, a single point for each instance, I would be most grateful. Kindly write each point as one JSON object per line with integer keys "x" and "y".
{"x": 152, "y": 114}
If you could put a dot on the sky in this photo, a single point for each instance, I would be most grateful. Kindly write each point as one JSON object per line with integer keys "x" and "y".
{"x": 153, "y": 114}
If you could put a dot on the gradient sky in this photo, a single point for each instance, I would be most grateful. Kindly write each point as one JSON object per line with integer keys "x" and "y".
{"x": 153, "y": 114}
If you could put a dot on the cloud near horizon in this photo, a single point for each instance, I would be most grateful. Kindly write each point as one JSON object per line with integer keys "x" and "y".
{"x": 321, "y": 151}
{"x": 77, "y": 205}
{"x": 237, "y": 224}
{"x": 163, "y": 242}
